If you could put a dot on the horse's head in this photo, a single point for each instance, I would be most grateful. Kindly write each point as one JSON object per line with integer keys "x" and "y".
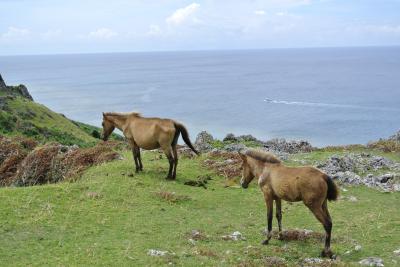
{"x": 108, "y": 127}
{"x": 247, "y": 173}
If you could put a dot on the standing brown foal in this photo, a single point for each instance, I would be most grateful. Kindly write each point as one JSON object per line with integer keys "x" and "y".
{"x": 277, "y": 182}
{"x": 148, "y": 133}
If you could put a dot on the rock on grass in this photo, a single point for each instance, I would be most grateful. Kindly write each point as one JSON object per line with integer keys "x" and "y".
{"x": 372, "y": 261}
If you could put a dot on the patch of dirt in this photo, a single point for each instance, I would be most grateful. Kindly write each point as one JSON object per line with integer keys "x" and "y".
{"x": 297, "y": 234}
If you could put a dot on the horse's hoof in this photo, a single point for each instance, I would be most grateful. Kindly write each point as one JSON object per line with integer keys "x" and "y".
{"x": 170, "y": 178}
{"x": 265, "y": 242}
{"x": 327, "y": 254}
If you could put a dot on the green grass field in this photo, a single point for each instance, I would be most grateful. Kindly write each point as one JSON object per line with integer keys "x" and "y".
{"x": 108, "y": 218}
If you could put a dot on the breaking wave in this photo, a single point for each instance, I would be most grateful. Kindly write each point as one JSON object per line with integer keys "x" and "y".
{"x": 328, "y": 105}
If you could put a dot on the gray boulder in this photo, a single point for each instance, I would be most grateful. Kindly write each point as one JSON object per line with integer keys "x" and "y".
{"x": 372, "y": 261}
{"x": 347, "y": 177}
{"x": 203, "y": 142}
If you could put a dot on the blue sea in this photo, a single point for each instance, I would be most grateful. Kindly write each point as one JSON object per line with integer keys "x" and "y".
{"x": 328, "y": 96}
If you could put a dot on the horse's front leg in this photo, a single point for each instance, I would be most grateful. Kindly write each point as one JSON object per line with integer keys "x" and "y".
{"x": 270, "y": 208}
{"x": 278, "y": 204}
{"x": 139, "y": 158}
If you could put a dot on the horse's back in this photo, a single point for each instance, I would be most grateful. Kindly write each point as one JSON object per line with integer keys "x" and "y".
{"x": 298, "y": 183}
{"x": 151, "y": 133}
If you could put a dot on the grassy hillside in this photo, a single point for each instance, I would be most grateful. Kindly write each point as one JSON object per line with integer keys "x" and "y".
{"x": 110, "y": 218}
{"x": 21, "y": 116}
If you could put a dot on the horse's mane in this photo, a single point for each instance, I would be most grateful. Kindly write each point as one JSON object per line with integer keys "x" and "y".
{"x": 135, "y": 114}
{"x": 262, "y": 156}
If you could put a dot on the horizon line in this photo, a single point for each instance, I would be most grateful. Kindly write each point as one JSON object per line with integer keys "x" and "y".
{"x": 200, "y": 50}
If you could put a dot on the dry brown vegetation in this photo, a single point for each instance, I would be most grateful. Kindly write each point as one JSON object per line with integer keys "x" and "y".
{"x": 227, "y": 164}
{"x": 23, "y": 162}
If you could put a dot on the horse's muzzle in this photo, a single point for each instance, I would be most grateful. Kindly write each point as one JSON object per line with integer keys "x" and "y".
{"x": 244, "y": 185}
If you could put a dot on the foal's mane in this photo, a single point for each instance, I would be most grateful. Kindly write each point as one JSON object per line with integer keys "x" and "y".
{"x": 262, "y": 156}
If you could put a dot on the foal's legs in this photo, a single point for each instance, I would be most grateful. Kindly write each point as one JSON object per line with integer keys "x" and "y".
{"x": 270, "y": 208}
{"x": 322, "y": 214}
{"x": 278, "y": 204}
{"x": 328, "y": 228}
{"x": 135, "y": 158}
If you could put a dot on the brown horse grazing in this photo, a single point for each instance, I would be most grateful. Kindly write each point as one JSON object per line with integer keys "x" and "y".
{"x": 148, "y": 133}
{"x": 278, "y": 182}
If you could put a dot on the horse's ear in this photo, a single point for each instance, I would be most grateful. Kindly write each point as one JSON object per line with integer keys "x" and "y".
{"x": 242, "y": 155}
{"x": 104, "y": 115}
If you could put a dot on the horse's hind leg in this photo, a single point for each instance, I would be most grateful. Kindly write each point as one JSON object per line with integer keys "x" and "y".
{"x": 322, "y": 214}
{"x": 175, "y": 160}
{"x": 328, "y": 229}
{"x": 278, "y": 204}
{"x": 168, "y": 153}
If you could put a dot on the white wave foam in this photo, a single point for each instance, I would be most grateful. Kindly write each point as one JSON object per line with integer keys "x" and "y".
{"x": 329, "y": 105}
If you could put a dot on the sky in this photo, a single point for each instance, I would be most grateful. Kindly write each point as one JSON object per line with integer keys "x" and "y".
{"x": 92, "y": 26}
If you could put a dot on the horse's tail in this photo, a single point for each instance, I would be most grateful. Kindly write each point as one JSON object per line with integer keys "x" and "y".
{"x": 180, "y": 128}
{"x": 333, "y": 190}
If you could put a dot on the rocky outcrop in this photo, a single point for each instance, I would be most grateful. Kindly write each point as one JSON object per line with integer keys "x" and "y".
{"x": 23, "y": 91}
{"x": 203, "y": 142}
{"x": 291, "y": 147}
{"x": 242, "y": 138}
{"x": 344, "y": 169}
{"x": 395, "y": 137}
{"x": 362, "y": 162}
{"x": 231, "y": 143}
{"x": 19, "y": 90}
{"x": 2, "y": 83}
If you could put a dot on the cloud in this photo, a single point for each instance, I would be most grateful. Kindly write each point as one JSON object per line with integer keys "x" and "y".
{"x": 259, "y": 12}
{"x": 102, "y": 33}
{"x": 183, "y": 15}
{"x": 15, "y": 34}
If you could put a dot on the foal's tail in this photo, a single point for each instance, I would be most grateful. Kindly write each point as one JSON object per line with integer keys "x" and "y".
{"x": 333, "y": 190}
{"x": 180, "y": 128}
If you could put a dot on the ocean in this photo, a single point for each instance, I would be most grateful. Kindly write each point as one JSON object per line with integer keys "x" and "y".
{"x": 328, "y": 96}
